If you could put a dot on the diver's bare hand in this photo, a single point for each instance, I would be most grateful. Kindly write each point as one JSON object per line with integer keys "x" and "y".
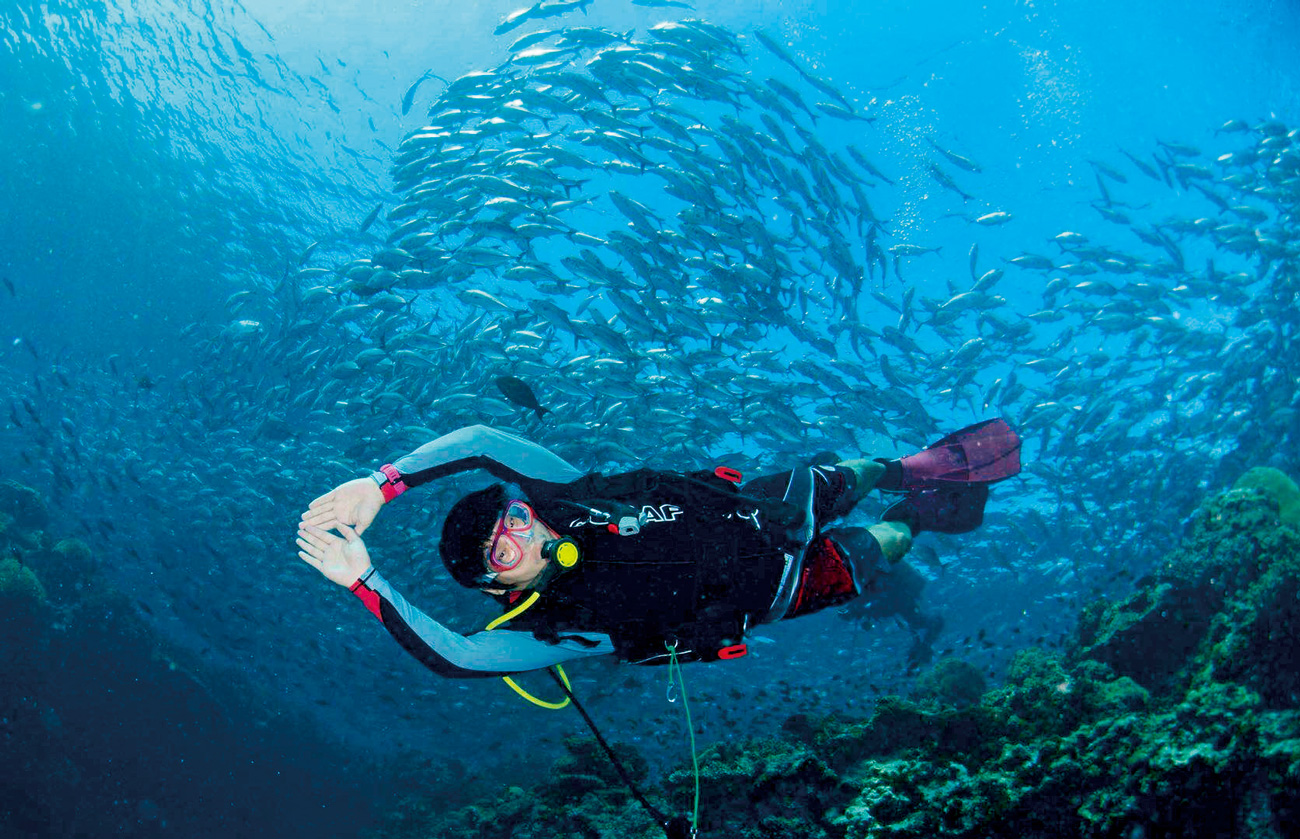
{"x": 342, "y": 559}
{"x": 355, "y": 503}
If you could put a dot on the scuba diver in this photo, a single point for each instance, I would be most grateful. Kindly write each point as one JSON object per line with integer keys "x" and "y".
{"x": 649, "y": 565}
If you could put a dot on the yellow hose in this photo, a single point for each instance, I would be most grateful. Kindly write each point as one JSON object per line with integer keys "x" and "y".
{"x": 511, "y": 615}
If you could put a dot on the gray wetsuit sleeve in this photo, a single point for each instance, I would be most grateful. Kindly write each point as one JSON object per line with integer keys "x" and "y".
{"x": 506, "y": 456}
{"x": 447, "y": 653}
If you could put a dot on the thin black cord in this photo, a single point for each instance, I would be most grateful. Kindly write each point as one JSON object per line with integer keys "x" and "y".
{"x": 675, "y": 827}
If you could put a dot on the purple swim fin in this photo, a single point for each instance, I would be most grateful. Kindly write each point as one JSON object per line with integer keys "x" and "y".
{"x": 952, "y": 508}
{"x": 984, "y": 453}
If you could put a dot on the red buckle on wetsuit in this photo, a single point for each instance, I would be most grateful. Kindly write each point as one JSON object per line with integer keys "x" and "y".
{"x": 734, "y": 651}
{"x": 726, "y": 473}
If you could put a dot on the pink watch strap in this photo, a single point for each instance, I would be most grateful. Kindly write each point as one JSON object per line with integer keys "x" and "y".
{"x": 394, "y": 486}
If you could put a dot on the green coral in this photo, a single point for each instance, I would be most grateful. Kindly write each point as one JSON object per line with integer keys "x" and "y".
{"x": 24, "y": 620}
{"x": 582, "y": 798}
{"x": 74, "y": 551}
{"x": 25, "y": 505}
{"x": 1255, "y": 640}
{"x": 1041, "y": 695}
{"x": 585, "y": 767}
{"x": 774, "y": 781}
{"x": 1169, "y": 617}
{"x": 932, "y": 798}
{"x": 1277, "y": 486}
{"x": 67, "y": 568}
{"x": 18, "y": 583}
{"x": 952, "y": 682}
{"x": 1232, "y": 539}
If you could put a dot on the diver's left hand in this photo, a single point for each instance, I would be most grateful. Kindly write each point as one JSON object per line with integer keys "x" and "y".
{"x": 354, "y": 503}
{"x": 341, "y": 559}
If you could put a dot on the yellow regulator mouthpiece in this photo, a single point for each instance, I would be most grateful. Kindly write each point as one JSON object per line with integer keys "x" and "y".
{"x": 564, "y": 551}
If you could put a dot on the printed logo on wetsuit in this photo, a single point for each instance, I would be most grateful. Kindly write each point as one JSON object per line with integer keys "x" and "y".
{"x": 649, "y": 513}
{"x": 750, "y": 516}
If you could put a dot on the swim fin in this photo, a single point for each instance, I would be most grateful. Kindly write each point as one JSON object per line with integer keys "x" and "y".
{"x": 984, "y": 453}
{"x": 952, "y": 508}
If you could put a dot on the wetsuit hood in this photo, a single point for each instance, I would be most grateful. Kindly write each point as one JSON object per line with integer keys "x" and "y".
{"x": 466, "y": 528}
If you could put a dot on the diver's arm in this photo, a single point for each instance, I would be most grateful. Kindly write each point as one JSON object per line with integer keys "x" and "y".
{"x": 357, "y": 502}
{"x": 344, "y": 559}
{"x": 506, "y": 456}
{"x": 447, "y": 653}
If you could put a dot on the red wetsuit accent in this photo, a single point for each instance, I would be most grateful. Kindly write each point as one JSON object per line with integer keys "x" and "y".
{"x": 826, "y": 579}
{"x": 368, "y": 597}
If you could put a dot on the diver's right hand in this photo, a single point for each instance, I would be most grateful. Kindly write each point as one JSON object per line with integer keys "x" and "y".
{"x": 355, "y": 503}
{"x": 341, "y": 559}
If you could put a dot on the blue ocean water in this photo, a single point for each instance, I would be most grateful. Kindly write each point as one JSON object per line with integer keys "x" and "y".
{"x": 167, "y": 165}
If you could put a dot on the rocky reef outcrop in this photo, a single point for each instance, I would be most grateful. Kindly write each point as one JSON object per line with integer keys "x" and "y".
{"x": 1174, "y": 712}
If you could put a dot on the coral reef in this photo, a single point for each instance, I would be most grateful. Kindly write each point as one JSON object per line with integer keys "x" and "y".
{"x": 67, "y": 568}
{"x": 1276, "y": 485}
{"x": 1174, "y": 712}
{"x": 952, "y": 682}
{"x": 24, "y": 608}
{"x": 24, "y": 505}
{"x": 18, "y": 584}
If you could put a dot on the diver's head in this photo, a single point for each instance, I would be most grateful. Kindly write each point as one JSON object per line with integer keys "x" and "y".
{"x": 493, "y": 540}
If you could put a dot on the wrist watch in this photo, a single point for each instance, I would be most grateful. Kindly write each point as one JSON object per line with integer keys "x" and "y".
{"x": 390, "y": 481}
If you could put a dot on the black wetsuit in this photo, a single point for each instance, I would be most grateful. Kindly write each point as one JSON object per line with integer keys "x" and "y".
{"x": 704, "y": 567}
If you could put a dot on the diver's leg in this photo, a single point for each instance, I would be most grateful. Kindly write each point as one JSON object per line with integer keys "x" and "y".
{"x": 894, "y": 538}
{"x": 836, "y": 489}
{"x": 767, "y": 486}
{"x": 843, "y": 563}
{"x": 871, "y": 554}
{"x": 865, "y": 475}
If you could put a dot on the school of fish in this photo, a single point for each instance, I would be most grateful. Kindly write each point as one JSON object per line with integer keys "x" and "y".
{"x": 645, "y": 248}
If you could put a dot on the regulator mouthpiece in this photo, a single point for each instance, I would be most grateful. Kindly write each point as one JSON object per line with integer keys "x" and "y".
{"x": 563, "y": 551}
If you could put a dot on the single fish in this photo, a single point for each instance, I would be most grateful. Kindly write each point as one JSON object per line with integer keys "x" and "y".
{"x": 912, "y": 250}
{"x": 775, "y": 48}
{"x": 1109, "y": 171}
{"x": 1143, "y": 167}
{"x": 370, "y": 219}
{"x": 946, "y": 181}
{"x": 518, "y": 392}
{"x": 408, "y": 98}
{"x": 957, "y": 159}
